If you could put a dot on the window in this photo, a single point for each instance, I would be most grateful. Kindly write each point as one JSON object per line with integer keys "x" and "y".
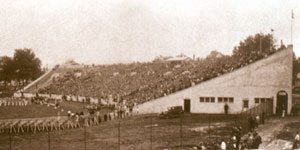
{"x": 225, "y": 99}
{"x": 201, "y": 99}
{"x": 207, "y": 99}
{"x": 220, "y": 100}
{"x": 261, "y": 100}
{"x": 246, "y": 104}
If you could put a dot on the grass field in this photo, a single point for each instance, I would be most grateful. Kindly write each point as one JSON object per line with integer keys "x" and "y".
{"x": 37, "y": 110}
{"x": 30, "y": 111}
{"x": 135, "y": 134}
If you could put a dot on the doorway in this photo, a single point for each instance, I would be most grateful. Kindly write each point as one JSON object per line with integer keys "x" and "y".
{"x": 187, "y": 105}
{"x": 282, "y": 102}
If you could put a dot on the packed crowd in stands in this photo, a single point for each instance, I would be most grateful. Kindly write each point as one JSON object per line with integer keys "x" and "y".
{"x": 141, "y": 82}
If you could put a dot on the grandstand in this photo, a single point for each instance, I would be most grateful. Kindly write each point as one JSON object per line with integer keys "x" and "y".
{"x": 269, "y": 79}
{"x": 201, "y": 86}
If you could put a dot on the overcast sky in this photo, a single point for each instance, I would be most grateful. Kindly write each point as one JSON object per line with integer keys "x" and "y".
{"x": 113, "y": 31}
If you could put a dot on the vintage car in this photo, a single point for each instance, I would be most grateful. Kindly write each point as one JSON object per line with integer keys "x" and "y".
{"x": 172, "y": 112}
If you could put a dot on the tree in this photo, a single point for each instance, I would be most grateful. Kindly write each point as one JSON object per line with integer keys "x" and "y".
{"x": 28, "y": 67}
{"x": 214, "y": 54}
{"x": 7, "y": 69}
{"x": 254, "y": 48}
{"x": 259, "y": 43}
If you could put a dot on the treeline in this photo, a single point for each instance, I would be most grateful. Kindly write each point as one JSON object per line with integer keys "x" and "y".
{"x": 23, "y": 67}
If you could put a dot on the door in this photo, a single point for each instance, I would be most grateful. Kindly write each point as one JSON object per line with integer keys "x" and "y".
{"x": 282, "y": 102}
{"x": 187, "y": 105}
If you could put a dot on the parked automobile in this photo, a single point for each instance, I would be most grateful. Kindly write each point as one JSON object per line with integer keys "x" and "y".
{"x": 172, "y": 112}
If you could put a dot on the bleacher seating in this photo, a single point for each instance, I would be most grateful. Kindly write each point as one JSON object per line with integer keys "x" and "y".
{"x": 141, "y": 82}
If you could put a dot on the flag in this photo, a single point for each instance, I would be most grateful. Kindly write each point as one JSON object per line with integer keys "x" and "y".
{"x": 292, "y": 14}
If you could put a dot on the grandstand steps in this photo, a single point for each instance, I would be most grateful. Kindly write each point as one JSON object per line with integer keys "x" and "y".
{"x": 44, "y": 81}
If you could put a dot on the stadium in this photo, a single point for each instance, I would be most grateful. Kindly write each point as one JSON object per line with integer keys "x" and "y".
{"x": 265, "y": 80}
{"x": 75, "y": 97}
{"x": 140, "y": 75}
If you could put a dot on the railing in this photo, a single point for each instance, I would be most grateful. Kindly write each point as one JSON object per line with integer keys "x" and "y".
{"x": 262, "y": 110}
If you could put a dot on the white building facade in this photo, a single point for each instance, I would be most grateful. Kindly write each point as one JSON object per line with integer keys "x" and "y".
{"x": 269, "y": 79}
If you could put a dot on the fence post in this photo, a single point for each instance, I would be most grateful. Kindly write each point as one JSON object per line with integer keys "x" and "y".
{"x": 235, "y": 118}
{"x": 209, "y": 129}
{"x": 151, "y": 134}
{"x": 10, "y": 141}
{"x": 84, "y": 137}
{"x": 48, "y": 140}
{"x": 180, "y": 131}
{"x": 119, "y": 136}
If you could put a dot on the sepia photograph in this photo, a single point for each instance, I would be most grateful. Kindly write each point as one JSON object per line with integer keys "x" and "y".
{"x": 149, "y": 75}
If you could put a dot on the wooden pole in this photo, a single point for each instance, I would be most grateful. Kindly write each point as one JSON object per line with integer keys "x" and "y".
{"x": 151, "y": 134}
{"x": 209, "y": 128}
{"x": 48, "y": 140}
{"x": 84, "y": 138}
{"x": 181, "y": 131}
{"x": 10, "y": 141}
{"x": 119, "y": 135}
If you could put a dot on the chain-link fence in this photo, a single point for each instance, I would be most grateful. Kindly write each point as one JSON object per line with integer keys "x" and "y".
{"x": 141, "y": 132}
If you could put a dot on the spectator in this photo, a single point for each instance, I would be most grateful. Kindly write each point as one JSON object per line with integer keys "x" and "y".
{"x": 256, "y": 141}
{"x": 250, "y": 141}
{"x": 297, "y": 137}
{"x": 223, "y": 145}
{"x": 283, "y": 113}
{"x": 234, "y": 142}
{"x": 251, "y": 123}
{"x": 226, "y": 108}
{"x": 257, "y": 121}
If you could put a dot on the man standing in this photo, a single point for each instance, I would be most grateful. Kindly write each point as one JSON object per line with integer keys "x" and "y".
{"x": 257, "y": 121}
{"x": 297, "y": 137}
{"x": 251, "y": 123}
{"x": 226, "y": 107}
{"x": 223, "y": 145}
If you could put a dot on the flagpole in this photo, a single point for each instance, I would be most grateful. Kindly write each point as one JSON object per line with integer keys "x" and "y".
{"x": 292, "y": 18}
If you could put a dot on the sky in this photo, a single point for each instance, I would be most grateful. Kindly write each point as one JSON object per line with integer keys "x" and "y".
{"x": 125, "y": 31}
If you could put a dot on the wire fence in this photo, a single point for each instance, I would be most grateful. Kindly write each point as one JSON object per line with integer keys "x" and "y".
{"x": 140, "y": 132}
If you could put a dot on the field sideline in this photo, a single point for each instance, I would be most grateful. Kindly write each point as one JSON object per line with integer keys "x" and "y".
{"x": 135, "y": 133}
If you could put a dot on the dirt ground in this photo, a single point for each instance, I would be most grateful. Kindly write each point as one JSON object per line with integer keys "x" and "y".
{"x": 271, "y": 130}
